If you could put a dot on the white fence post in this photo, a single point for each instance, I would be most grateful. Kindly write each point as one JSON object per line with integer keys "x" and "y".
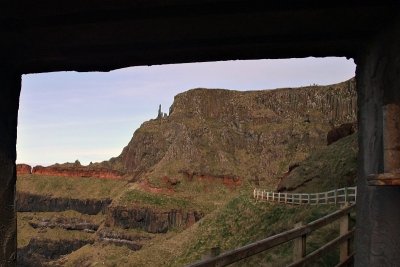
{"x": 305, "y": 198}
{"x": 335, "y": 196}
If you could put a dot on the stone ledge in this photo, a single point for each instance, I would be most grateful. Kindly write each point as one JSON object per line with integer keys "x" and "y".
{"x": 384, "y": 179}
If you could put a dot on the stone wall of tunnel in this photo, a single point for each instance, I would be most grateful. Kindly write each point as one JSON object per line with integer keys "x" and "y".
{"x": 378, "y": 81}
{"x": 378, "y": 219}
{"x": 9, "y": 94}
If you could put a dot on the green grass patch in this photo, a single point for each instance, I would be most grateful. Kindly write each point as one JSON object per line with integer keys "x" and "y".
{"x": 135, "y": 196}
{"x": 71, "y": 187}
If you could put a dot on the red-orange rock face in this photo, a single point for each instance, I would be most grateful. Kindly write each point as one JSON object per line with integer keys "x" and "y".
{"x": 77, "y": 172}
{"x": 24, "y": 169}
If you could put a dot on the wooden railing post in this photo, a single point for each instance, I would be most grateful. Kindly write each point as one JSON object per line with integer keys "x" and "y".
{"x": 213, "y": 252}
{"x": 299, "y": 245}
{"x": 344, "y": 228}
{"x": 345, "y": 195}
{"x": 285, "y": 198}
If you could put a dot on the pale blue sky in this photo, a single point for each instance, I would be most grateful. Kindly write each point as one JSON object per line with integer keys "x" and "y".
{"x": 66, "y": 116}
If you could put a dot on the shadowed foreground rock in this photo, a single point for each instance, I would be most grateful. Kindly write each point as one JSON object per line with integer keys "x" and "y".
{"x": 39, "y": 251}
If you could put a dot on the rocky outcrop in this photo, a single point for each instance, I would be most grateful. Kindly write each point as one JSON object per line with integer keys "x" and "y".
{"x": 23, "y": 169}
{"x": 331, "y": 167}
{"x": 40, "y": 251}
{"x": 150, "y": 220}
{"x": 132, "y": 241}
{"x": 222, "y": 133}
{"x": 76, "y": 224}
{"x": 282, "y": 180}
{"x": 38, "y": 203}
{"x": 340, "y": 132}
{"x": 77, "y": 171}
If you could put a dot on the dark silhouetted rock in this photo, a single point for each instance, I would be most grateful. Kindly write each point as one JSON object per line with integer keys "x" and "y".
{"x": 340, "y": 132}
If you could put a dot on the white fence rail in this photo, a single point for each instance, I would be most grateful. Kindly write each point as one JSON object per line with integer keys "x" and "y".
{"x": 337, "y": 196}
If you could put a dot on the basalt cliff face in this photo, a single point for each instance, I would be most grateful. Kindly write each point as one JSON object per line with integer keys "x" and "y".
{"x": 27, "y": 202}
{"x": 150, "y": 220}
{"x": 236, "y": 135}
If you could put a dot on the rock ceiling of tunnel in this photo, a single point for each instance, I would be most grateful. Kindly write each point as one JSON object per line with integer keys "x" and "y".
{"x": 42, "y": 36}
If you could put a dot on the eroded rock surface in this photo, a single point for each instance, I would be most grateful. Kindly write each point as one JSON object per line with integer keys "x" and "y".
{"x": 39, "y": 251}
{"x": 65, "y": 223}
{"x": 132, "y": 241}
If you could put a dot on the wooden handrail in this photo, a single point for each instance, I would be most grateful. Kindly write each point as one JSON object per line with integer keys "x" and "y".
{"x": 273, "y": 241}
{"x": 322, "y": 250}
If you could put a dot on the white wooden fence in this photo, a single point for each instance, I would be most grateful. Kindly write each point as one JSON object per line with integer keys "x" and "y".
{"x": 337, "y": 196}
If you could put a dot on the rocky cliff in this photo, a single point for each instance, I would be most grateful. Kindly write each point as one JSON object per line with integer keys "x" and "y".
{"x": 24, "y": 169}
{"x": 38, "y": 203}
{"x": 252, "y": 135}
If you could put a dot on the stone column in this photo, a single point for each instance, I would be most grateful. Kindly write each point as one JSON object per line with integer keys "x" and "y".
{"x": 10, "y": 86}
{"x": 378, "y": 207}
